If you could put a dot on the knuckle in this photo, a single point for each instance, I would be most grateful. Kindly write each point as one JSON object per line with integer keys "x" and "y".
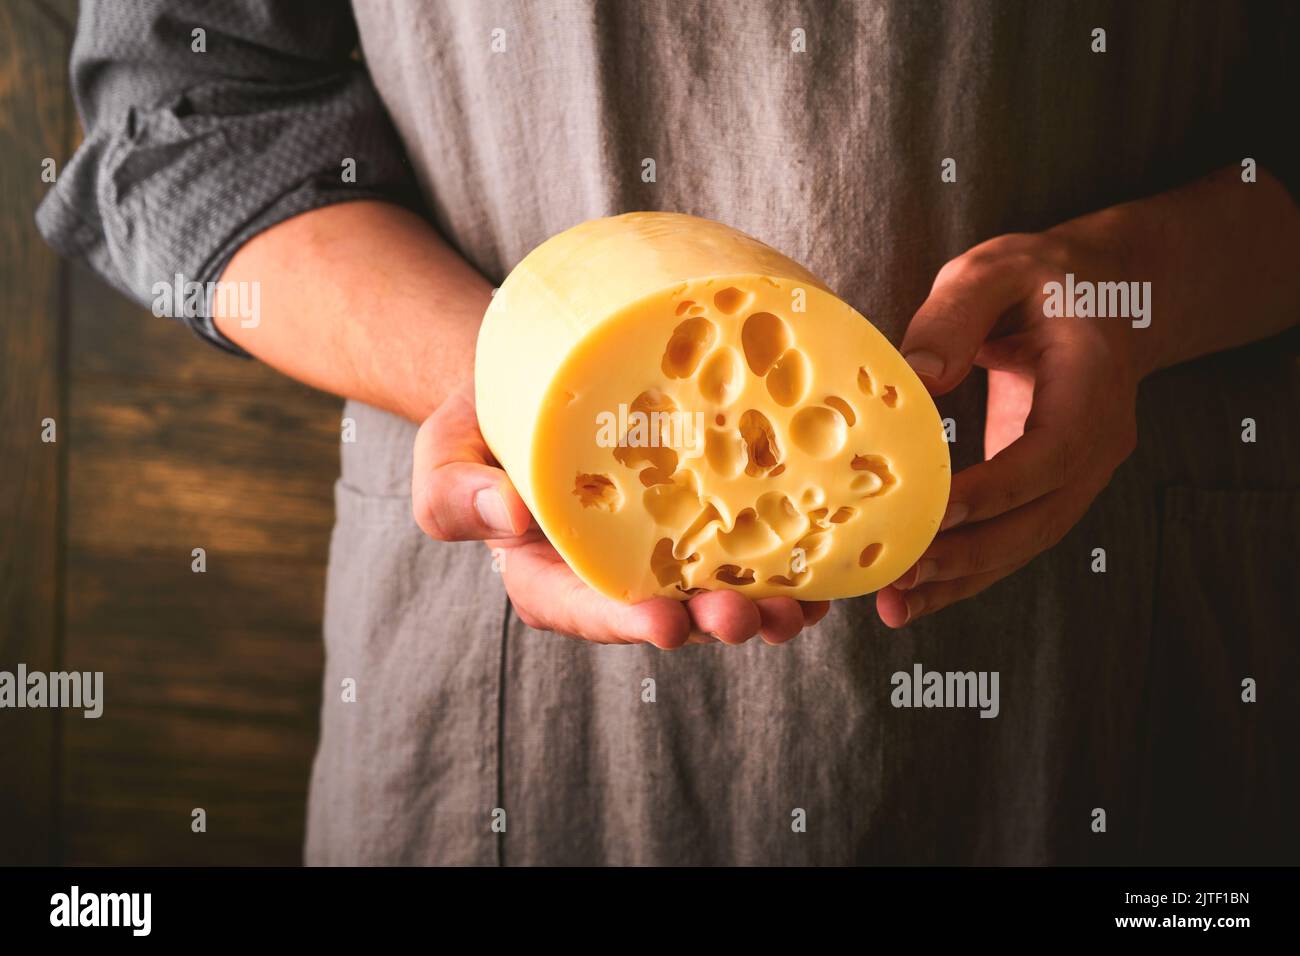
{"x": 1052, "y": 252}
{"x": 1000, "y": 246}
{"x": 1023, "y": 252}
{"x": 958, "y": 269}
{"x": 1022, "y": 263}
{"x": 983, "y": 258}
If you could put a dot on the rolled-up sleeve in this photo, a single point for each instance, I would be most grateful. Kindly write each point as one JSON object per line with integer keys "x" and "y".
{"x": 207, "y": 123}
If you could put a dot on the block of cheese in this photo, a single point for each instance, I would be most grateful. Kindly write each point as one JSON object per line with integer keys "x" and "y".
{"x": 683, "y": 408}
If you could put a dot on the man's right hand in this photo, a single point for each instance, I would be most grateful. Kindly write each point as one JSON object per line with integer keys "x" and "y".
{"x": 459, "y": 493}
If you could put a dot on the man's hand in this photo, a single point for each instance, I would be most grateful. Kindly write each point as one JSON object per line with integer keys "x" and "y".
{"x": 1061, "y": 412}
{"x": 1062, "y": 390}
{"x": 458, "y": 493}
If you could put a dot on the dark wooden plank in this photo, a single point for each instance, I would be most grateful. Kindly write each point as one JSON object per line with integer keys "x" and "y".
{"x": 62, "y": 12}
{"x": 35, "y": 123}
{"x": 173, "y": 469}
{"x": 212, "y": 681}
{"x": 136, "y": 775}
{"x": 242, "y": 638}
{"x": 211, "y": 699}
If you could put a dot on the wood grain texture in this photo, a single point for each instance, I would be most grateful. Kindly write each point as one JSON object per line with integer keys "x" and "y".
{"x": 165, "y": 444}
{"x": 211, "y": 679}
{"x": 35, "y": 123}
{"x": 212, "y": 688}
{"x": 177, "y": 468}
{"x": 63, "y": 12}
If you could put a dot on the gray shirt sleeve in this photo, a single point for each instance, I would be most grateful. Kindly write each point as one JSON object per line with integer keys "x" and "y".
{"x": 196, "y": 142}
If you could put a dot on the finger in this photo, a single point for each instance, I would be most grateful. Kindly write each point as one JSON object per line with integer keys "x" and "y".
{"x": 891, "y": 606}
{"x": 813, "y": 611}
{"x": 544, "y": 588}
{"x": 780, "y": 618}
{"x": 727, "y": 615}
{"x": 1036, "y": 464}
{"x": 969, "y": 295}
{"x": 1058, "y": 442}
{"x": 456, "y": 495}
{"x": 1016, "y": 536}
{"x": 904, "y": 607}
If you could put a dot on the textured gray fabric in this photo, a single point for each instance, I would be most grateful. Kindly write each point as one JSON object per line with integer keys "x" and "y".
{"x": 190, "y": 154}
{"x": 832, "y": 156}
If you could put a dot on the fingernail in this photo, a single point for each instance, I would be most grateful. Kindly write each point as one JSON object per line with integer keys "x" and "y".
{"x": 907, "y": 580}
{"x": 925, "y": 364}
{"x": 955, "y": 515}
{"x": 491, "y": 508}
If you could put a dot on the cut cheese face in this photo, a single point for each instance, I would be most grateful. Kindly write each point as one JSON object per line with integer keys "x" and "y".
{"x": 684, "y": 408}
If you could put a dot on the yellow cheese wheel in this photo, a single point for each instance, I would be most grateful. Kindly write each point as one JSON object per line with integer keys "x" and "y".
{"x": 682, "y": 408}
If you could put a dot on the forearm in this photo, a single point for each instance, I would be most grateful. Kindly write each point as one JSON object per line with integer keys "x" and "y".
{"x": 1223, "y": 259}
{"x": 365, "y": 300}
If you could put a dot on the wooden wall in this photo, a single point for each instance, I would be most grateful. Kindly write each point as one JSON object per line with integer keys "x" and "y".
{"x": 163, "y": 445}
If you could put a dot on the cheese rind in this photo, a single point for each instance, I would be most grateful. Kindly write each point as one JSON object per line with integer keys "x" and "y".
{"x": 683, "y": 408}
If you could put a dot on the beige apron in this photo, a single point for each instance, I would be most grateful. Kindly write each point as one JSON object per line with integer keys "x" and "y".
{"x": 474, "y": 739}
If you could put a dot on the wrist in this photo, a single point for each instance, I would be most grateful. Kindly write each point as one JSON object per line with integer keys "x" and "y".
{"x": 1116, "y": 245}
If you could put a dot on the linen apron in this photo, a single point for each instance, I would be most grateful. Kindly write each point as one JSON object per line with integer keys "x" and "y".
{"x": 476, "y": 740}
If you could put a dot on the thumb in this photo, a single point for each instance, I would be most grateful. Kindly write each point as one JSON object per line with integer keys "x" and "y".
{"x": 968, "y": 297}
{"x": 457, "y": 492}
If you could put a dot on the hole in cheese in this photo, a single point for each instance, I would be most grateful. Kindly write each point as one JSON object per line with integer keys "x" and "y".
{"x": 818, "y": 432}
{"x": 751, "y": 535}
{"x": 598, "y": 491}
{"x": 778, "y": 511}
{"x": 733, "y": 574}
{"x": 731, "y": 300}
{"x": 648, "y": 439}
{"x": 722, "y": 377}
{"x": 690, "y": 341}
{"x": 765, "y": 338}
{"x": 761, "y": 450}
{"x": 876, "y": 468}
{"x": 843, "y": 407}
{"x": 787, "y": 383}
{"x": 667, "y": 569}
